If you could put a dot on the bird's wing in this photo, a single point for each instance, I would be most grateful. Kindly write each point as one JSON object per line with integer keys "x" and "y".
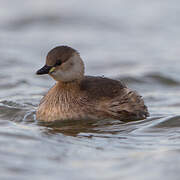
{"x": 100, "y": 87}
{"x": 114, "y": 98}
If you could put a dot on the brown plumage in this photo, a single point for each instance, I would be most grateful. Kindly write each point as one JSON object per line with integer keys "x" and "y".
{"x": 62, "y": 53}
{"x": 76, "y": 96}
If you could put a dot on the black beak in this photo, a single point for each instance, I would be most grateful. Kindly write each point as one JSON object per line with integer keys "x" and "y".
{"x": 44, "y": 70}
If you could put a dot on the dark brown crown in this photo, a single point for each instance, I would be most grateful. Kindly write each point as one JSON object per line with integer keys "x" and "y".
{"x": 60, "y": 53}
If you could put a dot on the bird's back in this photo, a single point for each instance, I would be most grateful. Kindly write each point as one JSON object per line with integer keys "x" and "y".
{"x": 113, "y": 99}
{"x": 101, "y": 87}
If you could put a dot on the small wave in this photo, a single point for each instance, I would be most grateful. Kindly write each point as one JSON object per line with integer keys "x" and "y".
{"x": 7, "y": 85}
{"x": 158, "y": 125}
{"x": 168, "y": 122}
{"x": 29, "y": 21}
{"x": 162, "y": 79}
{"x": 14, "y": 111}
{"x": 147, "y": 79}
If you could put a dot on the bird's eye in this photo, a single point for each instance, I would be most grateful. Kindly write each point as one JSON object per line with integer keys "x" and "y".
{"x": 58, "y": 63}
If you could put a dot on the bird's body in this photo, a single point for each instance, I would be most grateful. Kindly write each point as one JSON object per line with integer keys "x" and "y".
{"x": 88, "y": 97}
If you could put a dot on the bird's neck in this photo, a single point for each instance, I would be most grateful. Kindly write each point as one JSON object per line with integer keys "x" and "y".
{"x": 62, "y": 101}
{"x": 71, "y": 86}
{"x": 63, "y": 92}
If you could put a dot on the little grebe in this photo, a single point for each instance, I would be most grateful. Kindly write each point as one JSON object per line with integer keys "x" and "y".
{"x": 76, "y": 96}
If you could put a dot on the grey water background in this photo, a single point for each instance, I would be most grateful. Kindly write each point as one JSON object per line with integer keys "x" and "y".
{"x": 137, "y": 42}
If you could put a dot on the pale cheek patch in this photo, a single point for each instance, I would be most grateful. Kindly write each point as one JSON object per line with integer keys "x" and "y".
{"x": 71, "y": 70}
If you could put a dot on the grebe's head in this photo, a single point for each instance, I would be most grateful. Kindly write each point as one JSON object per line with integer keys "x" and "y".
{"x": 64, "y": 64}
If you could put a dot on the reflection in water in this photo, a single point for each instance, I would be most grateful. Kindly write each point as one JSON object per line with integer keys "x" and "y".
{"x": 75, "y": 128}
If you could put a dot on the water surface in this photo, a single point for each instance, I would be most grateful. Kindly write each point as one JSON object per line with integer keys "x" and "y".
{"x": 136, "y": 42}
